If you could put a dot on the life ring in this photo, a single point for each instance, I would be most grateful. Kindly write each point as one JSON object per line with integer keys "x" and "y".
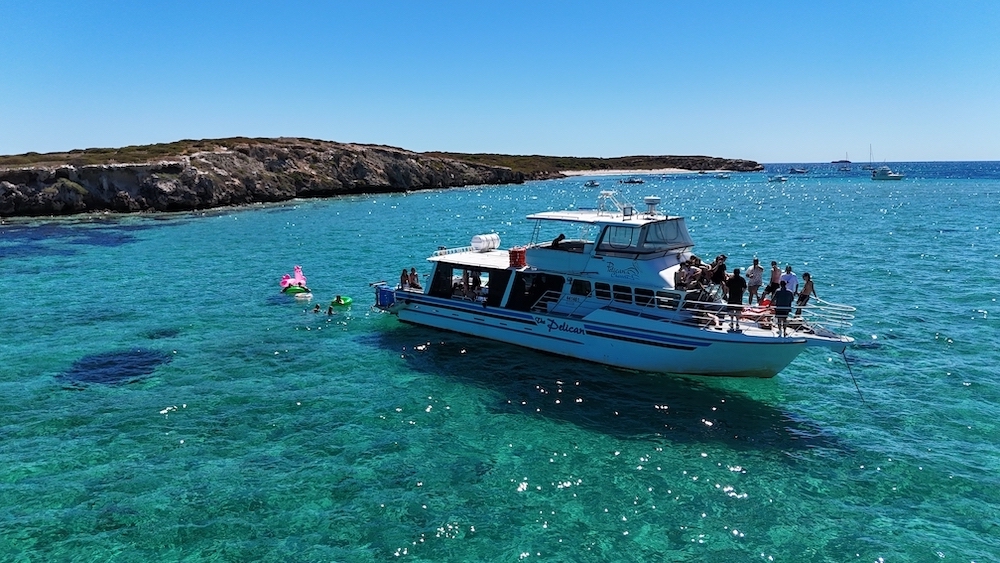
{"x": 344, "y": 302}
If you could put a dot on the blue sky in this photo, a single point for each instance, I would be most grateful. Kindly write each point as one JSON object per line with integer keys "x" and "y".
{"x": 768, "y": 81}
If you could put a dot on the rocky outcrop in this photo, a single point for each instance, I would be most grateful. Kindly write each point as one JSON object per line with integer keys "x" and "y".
{"x": 236, "y": 172}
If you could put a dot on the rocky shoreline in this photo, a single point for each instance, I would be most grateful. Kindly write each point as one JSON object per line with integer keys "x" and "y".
{"x": 231, "y": 172}
{"x": 234, "y": 173}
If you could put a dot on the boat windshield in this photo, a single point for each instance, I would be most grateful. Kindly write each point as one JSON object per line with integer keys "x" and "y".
{"x": 546, "y": 231}
{"x": 670, "y": 234}
{"x": 667, "y": 235}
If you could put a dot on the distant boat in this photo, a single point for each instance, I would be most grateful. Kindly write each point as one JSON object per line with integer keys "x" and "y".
{"x": 632, "y": 180}
{"x": 777, "y": 179}
{"x": 885, "y": 173}
{"x": 591, "y": 184}
{"x": 845, "y": 164}
{"x": 798, "y": 170}
{"x": 722, "y": 175}
{"x": 871, "y": 161}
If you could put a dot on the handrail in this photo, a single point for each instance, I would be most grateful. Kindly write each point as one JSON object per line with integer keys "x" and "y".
{"x": 818, "y": 313}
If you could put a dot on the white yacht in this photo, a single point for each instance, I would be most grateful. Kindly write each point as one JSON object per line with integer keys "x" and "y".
{"x": 886, "y": 173}
{"x": 607, "y": 295}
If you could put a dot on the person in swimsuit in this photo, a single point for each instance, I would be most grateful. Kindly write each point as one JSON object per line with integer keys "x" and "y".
{"x": 807, "y": 291}
{"x": 775, "y": 278}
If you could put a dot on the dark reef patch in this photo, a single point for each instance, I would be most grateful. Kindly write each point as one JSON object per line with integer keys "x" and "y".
{"x": 158, "y": 333}
{"x": 117, "y": 367}
{"x": 54, "y": 239}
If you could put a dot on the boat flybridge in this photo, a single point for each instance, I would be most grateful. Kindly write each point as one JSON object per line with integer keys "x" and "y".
{"x": 607, "y": 294}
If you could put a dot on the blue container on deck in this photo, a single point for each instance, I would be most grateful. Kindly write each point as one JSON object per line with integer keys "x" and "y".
{"x": 385, "y": 296}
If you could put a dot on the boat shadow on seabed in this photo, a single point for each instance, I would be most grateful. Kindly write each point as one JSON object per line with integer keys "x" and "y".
{"x": 621, "y": 403}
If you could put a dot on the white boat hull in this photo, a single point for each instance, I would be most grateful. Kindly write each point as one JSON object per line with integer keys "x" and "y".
{"x": 646, "y": 344}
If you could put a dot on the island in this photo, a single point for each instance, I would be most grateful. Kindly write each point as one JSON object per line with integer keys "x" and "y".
{"x": 191, "y": 175}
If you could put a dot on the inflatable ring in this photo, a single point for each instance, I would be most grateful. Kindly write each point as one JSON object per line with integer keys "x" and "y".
{"x": 344, "y": 302}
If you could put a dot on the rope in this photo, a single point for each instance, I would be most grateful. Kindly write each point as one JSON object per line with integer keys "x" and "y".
{"x": 850, "y": 371}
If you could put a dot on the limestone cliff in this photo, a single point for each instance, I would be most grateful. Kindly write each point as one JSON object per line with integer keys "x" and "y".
{"x": 230, "y": 172}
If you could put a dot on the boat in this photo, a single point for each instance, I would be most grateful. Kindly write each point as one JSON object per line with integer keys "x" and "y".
{"x": 798, "y": 170}
{"x": 606, "y": 296}
{"x": 722, "y": 175}
{"x": 845, "y": 164}
{"x": 886, "y": 173}
{"x": 591, "y": 184}
{"x": 871, "y": 160}
{"x": 777, "y": 178}
{"x": 295, "y": 285}
{"x": 632, "y": 180}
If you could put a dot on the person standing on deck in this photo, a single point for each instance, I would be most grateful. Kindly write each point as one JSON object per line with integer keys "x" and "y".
{"x": 772, "y": 286}
{"x": 755, "y": 277}
{"x": 782, "y": 306}
{"x": 735, "y": 285}
{"x": 807, "y": 291}
{"x": 791, "y": 280}
{"x": 719, "y": 272}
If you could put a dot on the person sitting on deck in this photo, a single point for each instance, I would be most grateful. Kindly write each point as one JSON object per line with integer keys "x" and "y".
{"x": 404, "y": 280}
{"x": 414, "y": 279}
{"x": 556, "y": 241}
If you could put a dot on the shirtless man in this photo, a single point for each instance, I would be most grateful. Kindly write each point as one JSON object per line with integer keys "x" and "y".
{"x": 807, "y": 291}
{"x": 775, "y": 278}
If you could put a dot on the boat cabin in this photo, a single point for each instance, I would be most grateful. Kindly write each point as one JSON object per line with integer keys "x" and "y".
{"x": 615, "y": 257}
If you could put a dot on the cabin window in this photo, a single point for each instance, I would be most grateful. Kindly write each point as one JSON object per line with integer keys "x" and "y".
{"x": 666, "y": 300}
{"x": 602, "y": 290}
{"x": 441, "y": 283}
{"x": 496, "y": 285}
{"x": 643, "y": 296}
{"x": 666, "y": 235}
{"x": 619, "y": 238}
{"x": 580, "y": 287}
{"x": 623, "y": 294}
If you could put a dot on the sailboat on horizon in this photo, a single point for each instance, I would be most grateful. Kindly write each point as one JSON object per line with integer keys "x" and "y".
{"x": 845, "y": 165}
{"x": 871, "y": 161}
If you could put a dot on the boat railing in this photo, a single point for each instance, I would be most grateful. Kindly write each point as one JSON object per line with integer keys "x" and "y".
{"x": 547, "y": 301}
{"x": 818, "y": 313}
{"x": 446, "y": 251}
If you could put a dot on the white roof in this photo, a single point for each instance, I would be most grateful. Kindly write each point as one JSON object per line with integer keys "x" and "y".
{"x": 598, "y": 216}
{"x": 492, "y": 259}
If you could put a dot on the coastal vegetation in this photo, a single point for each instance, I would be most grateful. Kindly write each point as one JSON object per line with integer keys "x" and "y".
{"x": 542, "y": 167}
{"x": 200, "y": 174}
{"x": 532, "y": 166}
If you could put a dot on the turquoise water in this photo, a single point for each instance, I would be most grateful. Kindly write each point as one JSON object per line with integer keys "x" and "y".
{"x": 162, "y": 401}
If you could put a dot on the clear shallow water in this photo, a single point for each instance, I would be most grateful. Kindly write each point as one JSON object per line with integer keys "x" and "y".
{"x": 160, "y": 399}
